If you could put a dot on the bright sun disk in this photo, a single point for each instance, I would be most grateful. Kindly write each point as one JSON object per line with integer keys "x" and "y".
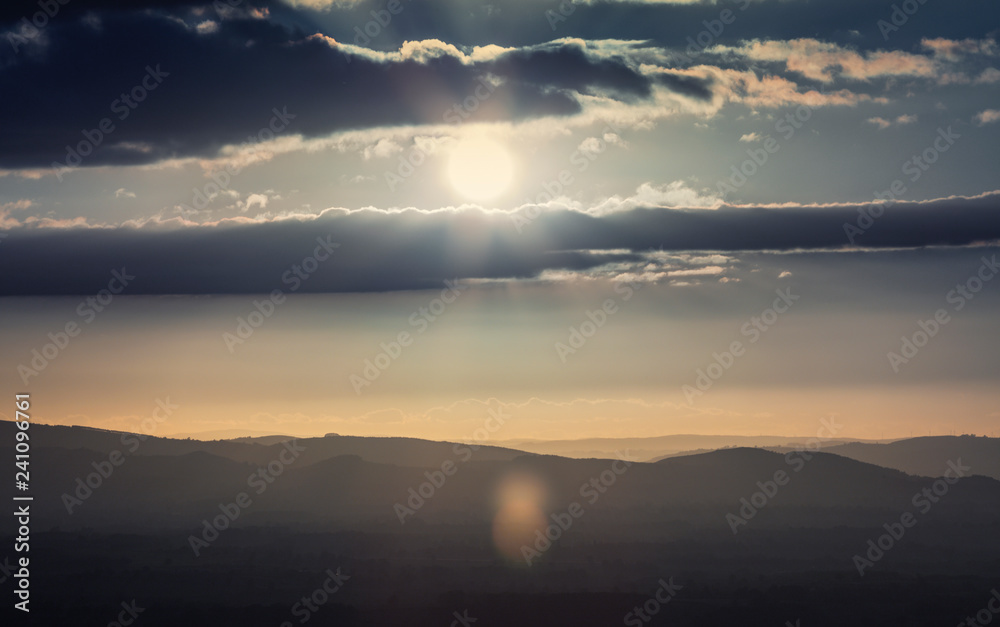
{"x": 480, "y": 168}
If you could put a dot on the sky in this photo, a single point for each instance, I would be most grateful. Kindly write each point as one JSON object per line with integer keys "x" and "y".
{"x": 600, "y": 218}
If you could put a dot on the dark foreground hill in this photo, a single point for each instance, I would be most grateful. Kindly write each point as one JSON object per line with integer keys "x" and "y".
{"x": 231, "y": 533}
{"x": 400, "y": 451}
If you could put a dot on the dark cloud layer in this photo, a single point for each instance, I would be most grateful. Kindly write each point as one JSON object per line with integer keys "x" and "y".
{"x": 524, "y": 22}
{"x": 221, "y": 88}
{"x": 410, "y": 250}
{"x": 222, "y": 85}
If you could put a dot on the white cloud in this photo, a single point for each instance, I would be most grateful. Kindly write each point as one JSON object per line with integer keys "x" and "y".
{"x": 254, "y": 200}
{"x": 597, "y": 145}
{"x": 613, "y": 139}
{"x": 749, "y": 138}
{"x": 121, "y": 192}
{"x": 676, "y": 194}
{"x": 382, "y": 149}
{"x": 705, "y": 271}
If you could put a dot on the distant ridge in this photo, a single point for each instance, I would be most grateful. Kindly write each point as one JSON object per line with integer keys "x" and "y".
{"x": 927, "y": 456}
{"x": 658, "y": 447}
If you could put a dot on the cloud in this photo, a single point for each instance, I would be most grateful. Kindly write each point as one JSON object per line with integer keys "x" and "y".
{"x": 49, "y": 257}
{"x": 207, "y": 27}
{"x": 988, "y": 116}
{"x": 321, "y": 5}
{"x": 597, "y": 145}
{"x": 326, "y": 86}
{"x": 750, "y": 138}
{"x": 254, "y": 200}
{"x": 954, "y": 50}
{"x": 381, "y": 149}
{"x": 989, "y": 76}
{"x": 822, "y": 61}
{"x": 16, "y": 205}
{"x": 121, "y": 192}
{"x": 675, "y": 194}
{"x": 706, "y": 271}
{"x": 6, "y": 221}
{"x": 771, "y": 92}
{"x": 333, "y": 86}
{"x": 883, "y": 123}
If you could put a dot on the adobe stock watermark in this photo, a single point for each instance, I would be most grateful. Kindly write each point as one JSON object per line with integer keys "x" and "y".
{"x": 29, "y": 28}
{"x": 913, "y": 168}
{"x": 221, "y": 180}
{"x": 6, "y": 570}
{"x": 421, "y": 319}
{"x": 60, "y": 340}
{"x": 122, "y": 107}
{"x": 563, "y": 521}
{"x": 958, "y": 298}
{"x": 923, "y": 501}
{"x": 900, "y": 15}
{"x": 129, "y": 613}
{"x": 712, "y": 31}
{"x": 419, "y": 496}
{"x": 741, "y": 173}
{"x": 645, "y": 612}
{"x": 381, "y": 18}
{"x": 581, "y": 159}
{"x": 416, "y": 156}
{"x": 105, "y": 468}
{"x": 265, "y": 308}
{"x": 986, "y": 615}
{"x": 594, "y": 320}
{"x": 796, "y": 460}
{"x": 563, "y": 10}
{"x": 259, "y": 481}
{"x": 753, "y": 329}
{"x": 308, "y": 605}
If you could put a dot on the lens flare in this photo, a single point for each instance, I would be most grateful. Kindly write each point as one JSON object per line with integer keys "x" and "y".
{"x": 520, "y": 502}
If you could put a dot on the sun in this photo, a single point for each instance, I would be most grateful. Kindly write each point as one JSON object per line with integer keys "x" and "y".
{"x": 480, "y": 168}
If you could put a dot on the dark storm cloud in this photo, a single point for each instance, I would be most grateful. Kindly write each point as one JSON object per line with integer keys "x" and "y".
{"x": 568, "y": 67}
{"x": 221, "y": 87}
{"x": 524, "y": 22}
{"x": 691, "y": 86}
{"x": 12, "y": 11}
{"x": 411, "y": 250}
